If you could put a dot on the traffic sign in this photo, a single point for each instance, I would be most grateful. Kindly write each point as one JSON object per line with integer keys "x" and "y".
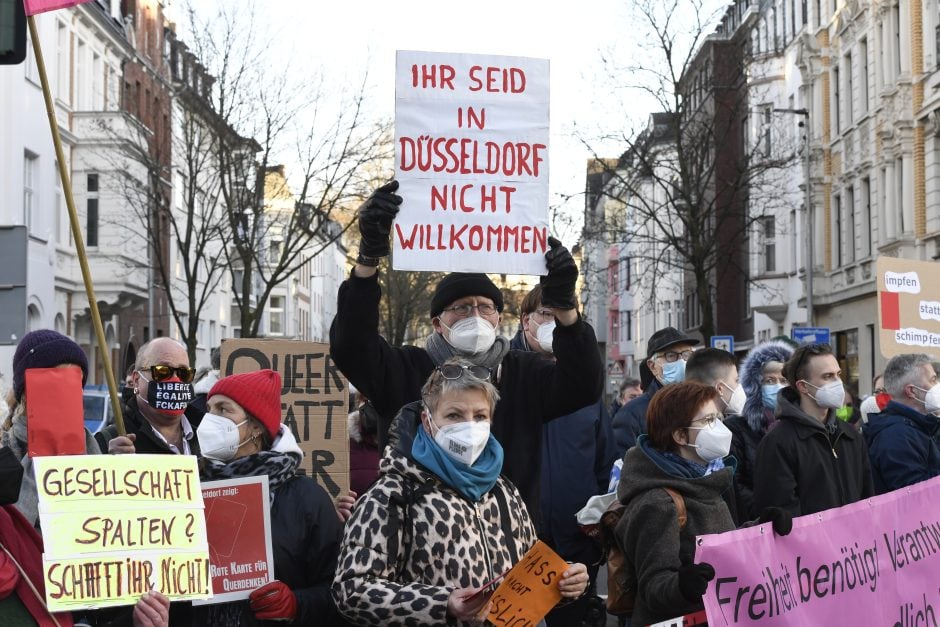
{"x": 810, "y": 335}
{"x": 724, "y": 342}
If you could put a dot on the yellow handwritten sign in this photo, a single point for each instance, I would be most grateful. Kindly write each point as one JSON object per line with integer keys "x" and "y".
{"x": 117, "y": 526}
{"x": 106, "y": 579}
{"x": 71, "y": 482}
{"x": 530, "y": 589}
{"x": 74, "y": 533}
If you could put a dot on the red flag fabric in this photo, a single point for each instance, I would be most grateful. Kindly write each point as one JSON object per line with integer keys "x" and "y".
{"x": 55, "y": 422}
{"x": 41, "y": 6}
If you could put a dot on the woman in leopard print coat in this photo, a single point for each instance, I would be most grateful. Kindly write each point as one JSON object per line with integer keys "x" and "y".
{"x": 432, "y": 531}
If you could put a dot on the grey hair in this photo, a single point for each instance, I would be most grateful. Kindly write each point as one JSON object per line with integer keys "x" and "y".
{"x": 901, "y": 371}
{"x": 436, "y": 386}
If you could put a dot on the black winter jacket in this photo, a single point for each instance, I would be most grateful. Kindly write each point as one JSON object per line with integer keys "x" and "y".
{"x": 649, "y": 534}
{"x": 805, "y": 467}
{"x": 903, "y": 447}
{"x": 147, "y": 441}
{"x": 532, "y": 390}
{"x": 577, "y": 455}
{"x": 744, "y": 445}
{"x": 629, "y": 422}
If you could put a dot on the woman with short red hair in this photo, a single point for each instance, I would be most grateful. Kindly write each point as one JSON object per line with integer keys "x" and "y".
{"x": 681, "y": 464}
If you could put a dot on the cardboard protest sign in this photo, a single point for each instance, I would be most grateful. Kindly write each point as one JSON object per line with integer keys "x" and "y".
{"x": 314, "y": 401}
{"x": 116, "y": 526}
{"x": 471, "y": 156}
{"x": 874, "y": 562}
{"x": 909, "y": 306}
{"x": 238, "y": 523}
{"x": 530, "y": 589}
{"x": 55, "y": 423}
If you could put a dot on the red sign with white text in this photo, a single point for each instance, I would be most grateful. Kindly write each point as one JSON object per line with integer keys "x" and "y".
{"x": 238, "y": 527}
{"x": 41, "y": 6}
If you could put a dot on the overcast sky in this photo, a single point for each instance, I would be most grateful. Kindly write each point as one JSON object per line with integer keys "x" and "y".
{"x": 351, "y": 35}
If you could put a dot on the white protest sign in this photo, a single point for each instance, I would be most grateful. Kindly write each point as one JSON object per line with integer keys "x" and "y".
{"x": 471, "y": 157}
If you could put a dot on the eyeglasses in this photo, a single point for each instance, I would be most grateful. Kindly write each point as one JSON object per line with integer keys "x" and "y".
{"x": 544, "y": 313}
{"x": 708, "y": 420}
{"x": 455, "y": 371}
{"x": 463, "y": 311}
{"x": 162, "y": 373}
{"x": 672, "y": 356}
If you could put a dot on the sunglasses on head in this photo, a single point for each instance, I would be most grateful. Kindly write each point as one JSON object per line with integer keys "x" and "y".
{"x": 162, "y": 373}
{"x": 455, "y": 371}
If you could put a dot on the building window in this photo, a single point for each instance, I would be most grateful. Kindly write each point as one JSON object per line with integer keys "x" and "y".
{"x": 91, "y": 205}
{"x": 769, "y": 239}
{"x": 849, "y": 101}
{"x": 62, "y": 62}
{"x": 863, "y": 75}
{"x": 865, "y": 219}
{"x": 849, "y": 225}
{"x": 276, "y": 315}
{"x": 768, "y": 118}
{"x": 837, "y": 216}
{"x": 625, "y": 275}
{"x": 59, "y": 218}
{"x": 30, "y": 200}
{"x": 836, "y": 102}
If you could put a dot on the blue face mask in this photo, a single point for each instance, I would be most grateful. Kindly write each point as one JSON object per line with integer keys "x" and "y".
{"x": 673, "y": 372}
{"x": 769, "y": 394}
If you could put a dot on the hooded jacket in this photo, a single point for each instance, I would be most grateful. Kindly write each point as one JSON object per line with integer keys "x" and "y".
{"x": 903, "y": 447}
{"x": 577, "y": 454}
{"x": 654, "y": 547}
{"x": 532, "y": 390}
{"x": 412, "y": 539}
{"x": 805, "y": 466}
{"x": 755, "y": 420}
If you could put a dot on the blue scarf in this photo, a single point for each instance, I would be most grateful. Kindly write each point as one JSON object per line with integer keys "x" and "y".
{"x": 677, "y": 465}
{"x": 470, "y": 481}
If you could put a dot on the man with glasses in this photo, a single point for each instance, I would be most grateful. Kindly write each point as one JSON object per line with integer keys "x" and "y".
{"x": 155, "y": 417}
{"x": 465, "y": 313}
{"x": 902, "y": 438}
{"x": 811, "y": 461}
{"x": 667, "y": 351}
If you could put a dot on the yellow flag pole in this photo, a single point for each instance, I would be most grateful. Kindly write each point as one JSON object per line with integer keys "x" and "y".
{"x": 103, "y": 349}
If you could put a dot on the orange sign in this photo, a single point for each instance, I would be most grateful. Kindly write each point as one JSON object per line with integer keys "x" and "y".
{"x": 530, "y": 589}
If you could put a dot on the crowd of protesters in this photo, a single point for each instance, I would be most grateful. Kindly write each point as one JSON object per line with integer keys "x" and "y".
{"x": 466, "y": 450}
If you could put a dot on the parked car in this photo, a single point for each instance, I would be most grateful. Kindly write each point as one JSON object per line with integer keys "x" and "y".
{"x": 97, "y": 403}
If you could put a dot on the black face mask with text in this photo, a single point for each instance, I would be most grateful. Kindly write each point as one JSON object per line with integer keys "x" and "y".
{"x": 11, "y": 477}
{"x": 169, "y": 397}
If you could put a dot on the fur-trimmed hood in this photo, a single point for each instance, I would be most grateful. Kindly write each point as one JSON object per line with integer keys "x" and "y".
{"x": 750, "y": 375}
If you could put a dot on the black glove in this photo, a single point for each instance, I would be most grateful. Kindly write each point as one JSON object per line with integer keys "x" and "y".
{"x": 693, "y": 580}
{"x": 375, "y": 220}
{"x": 558, "y": 284}
{"x": 782, "y": 520}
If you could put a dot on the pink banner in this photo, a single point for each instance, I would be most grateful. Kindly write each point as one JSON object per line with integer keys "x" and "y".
{"x": 41, "y": 6}
{"x": 876, "y": 562}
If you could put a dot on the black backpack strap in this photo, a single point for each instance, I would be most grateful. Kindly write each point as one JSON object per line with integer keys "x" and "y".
{"x": 399, "y": 521}
{"x": 505, "y": 521}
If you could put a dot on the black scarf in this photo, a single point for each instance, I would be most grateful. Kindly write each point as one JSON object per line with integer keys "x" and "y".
{"x": 278, "y": 466}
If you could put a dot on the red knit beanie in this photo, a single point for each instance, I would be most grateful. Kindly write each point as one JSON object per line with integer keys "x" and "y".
{"x": 259, "y": 394}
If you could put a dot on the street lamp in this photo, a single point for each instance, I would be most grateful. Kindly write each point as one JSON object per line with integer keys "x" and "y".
{"x": 810, "y": 223}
